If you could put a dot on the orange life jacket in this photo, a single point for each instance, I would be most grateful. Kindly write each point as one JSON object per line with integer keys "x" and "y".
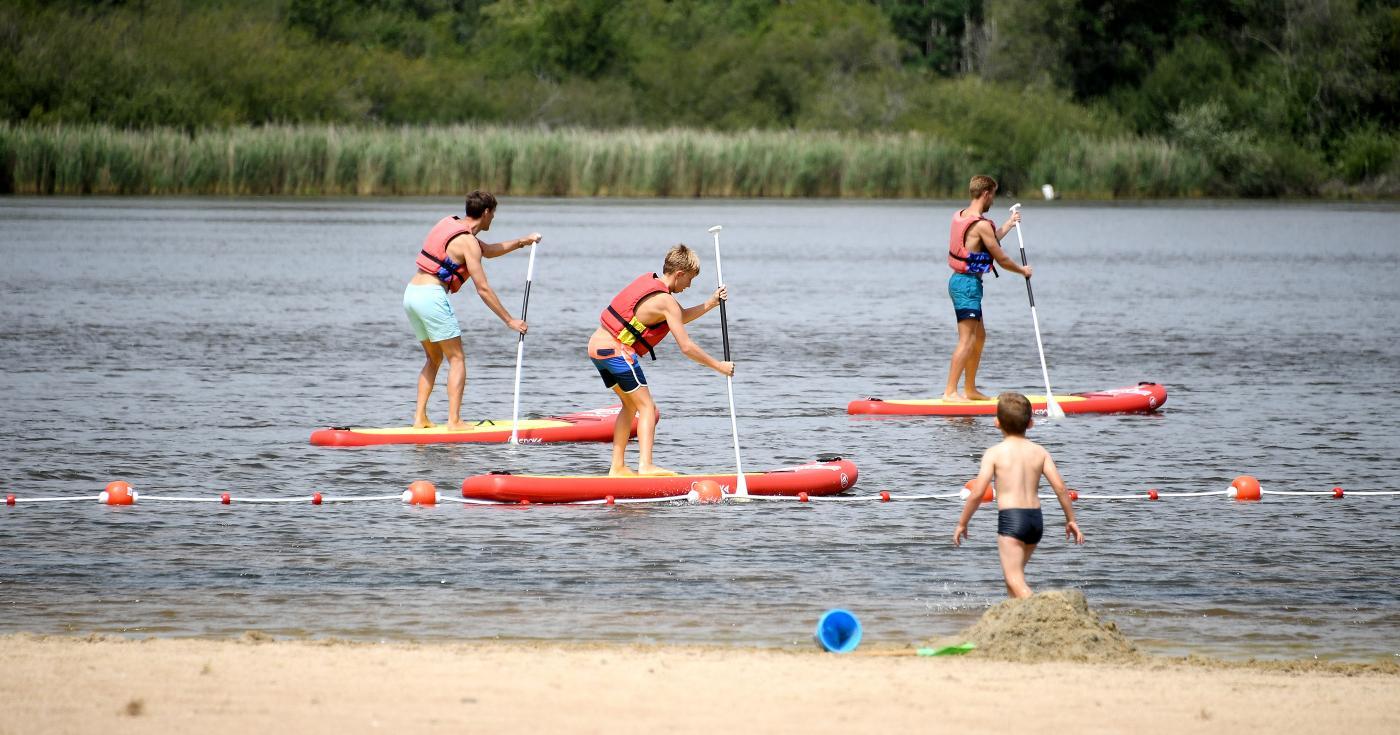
{"x": 959, "y": 258}
{"x": 620, "y": 318}
{"x": 433, "y": 258}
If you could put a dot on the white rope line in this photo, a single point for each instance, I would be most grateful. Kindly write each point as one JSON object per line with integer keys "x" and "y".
{"x": 469, "y": 501}
{"x": 87, "y": 498}
{"x": 876, "y": 497}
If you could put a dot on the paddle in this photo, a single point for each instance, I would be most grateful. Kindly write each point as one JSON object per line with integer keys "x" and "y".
{"x": 1052, "y": 409}
{"x": 741, "y": 485}
{"x": 520, "y": 348}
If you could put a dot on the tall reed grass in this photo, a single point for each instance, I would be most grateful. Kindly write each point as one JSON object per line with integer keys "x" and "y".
{"x": 449, "y": 160}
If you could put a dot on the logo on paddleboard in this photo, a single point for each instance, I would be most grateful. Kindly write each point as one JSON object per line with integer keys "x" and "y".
{"x": 845, "y": 481}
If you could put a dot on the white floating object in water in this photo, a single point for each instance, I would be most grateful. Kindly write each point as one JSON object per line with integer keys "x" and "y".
{"x": 1048, "y": 191}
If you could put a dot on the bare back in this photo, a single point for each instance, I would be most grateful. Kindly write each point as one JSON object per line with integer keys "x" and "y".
{"x": 1018, "y": 464}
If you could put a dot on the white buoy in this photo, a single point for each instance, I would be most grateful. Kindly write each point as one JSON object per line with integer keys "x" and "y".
{"x": 1048, "y": 191}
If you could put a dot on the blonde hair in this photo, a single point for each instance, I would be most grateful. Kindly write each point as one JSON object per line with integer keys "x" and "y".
{"x": 681, "y": 259}
{"x": 980, "y": 185}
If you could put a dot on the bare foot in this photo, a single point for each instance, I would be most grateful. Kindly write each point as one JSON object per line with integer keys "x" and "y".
{"x": 955, "y": 398}
{"x": 654, "y": 471}
{"x": 422, "y": 422}
{"x": 457, "y": 426}
{"x": 977, "y": 395}
{"x": 623, "y": 471}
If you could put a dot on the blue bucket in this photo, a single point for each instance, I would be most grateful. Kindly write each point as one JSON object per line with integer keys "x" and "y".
{"x": 838, "y": 631}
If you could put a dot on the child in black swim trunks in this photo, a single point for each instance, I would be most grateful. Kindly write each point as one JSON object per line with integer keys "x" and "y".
{"x": 1017, "y": 464}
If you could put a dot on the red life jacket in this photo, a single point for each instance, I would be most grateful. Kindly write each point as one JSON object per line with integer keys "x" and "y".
{"x": 433, "y": 258}
{"x": 620, "y": 318}
{"x": 959, "y": 258}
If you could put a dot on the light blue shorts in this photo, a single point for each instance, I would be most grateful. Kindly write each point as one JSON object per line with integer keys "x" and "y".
{"x": 430, "y": 313}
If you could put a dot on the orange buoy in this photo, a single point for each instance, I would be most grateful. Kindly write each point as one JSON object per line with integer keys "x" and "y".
{"x": 610, "y": 500}
{"x": 884, "y": 496}
{"x": 706, "y": 492}
{"x": 1073, "y": 494}
{"x": 1336, "y": 492}
{"x": 225, "y": 499}
{"x": 117, "y": 493}
{"x": 988, "y": 495}
{"x": 1245, "y": 487}
{"x": 802, "y": 497}
{"x": 1152, "y": 494}
{"x": 420, "y": 492}
{"x": 315, "y": 498}
{"x": 10, "y": 499}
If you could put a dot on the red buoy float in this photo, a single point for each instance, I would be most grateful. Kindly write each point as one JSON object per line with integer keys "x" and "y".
{"x": 420, "y": 492}
{"x": 988, "y": 495}
{"x": 1073, "y": 494}
{"x": 1336, "y": 493}
{"x": 10, "y": 499}
{"x": 225, "y": 499}
{"x": 884, "y": 496}
{"x": 707, "y": 492}
{"x": 1152, "y": 494}
{"x": 117, "y": 493}
{"x": 1245, "y": 488}
{"x": 315, "y": 498}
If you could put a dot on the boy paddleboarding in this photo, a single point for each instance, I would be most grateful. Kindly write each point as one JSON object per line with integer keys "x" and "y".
{"x": 632, "y": 325}
{"x": 451, "y": 256}
{"x": 974, "y": 247}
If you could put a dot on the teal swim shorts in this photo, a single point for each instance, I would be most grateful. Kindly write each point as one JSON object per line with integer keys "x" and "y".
{"x": 430, "y": 313}
{"x": 966, "y": 292}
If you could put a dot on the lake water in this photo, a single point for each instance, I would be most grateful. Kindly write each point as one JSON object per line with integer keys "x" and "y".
{"x": 190, "y": 346}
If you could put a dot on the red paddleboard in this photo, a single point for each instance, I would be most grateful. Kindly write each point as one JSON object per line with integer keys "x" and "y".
{"x": 1141, "y": 398}
{"x": 822, "y": 477}
{"x": 586, "y": 426}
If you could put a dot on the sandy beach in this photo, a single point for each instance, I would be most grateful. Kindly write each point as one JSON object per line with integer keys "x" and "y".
{"x": 114, "y": 685}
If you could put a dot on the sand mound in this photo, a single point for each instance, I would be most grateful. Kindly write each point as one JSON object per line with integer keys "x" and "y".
{"x": 1050, "y": 626}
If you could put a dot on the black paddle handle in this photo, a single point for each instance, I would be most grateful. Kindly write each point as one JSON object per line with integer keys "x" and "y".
{"x": 1029, "y": 292}
{"x": 724, "y": 328}
{"x": 525, "y": 308}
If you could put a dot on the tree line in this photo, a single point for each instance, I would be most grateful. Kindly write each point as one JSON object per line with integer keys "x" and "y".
{"x": 1276, "y": 96}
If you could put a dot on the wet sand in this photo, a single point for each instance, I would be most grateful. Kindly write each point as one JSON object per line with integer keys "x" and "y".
{"x": 114, "y": 685}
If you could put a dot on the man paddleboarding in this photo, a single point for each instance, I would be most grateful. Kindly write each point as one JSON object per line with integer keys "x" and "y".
{"x": 450, "y": 257}
{"x": 974, "y": 247}
{"x": 632, "y": 325}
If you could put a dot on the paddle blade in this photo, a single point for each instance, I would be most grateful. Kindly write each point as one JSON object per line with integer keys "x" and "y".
{"x": 1052, "y": 409}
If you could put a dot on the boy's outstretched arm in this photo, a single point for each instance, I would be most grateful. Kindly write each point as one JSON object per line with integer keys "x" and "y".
{"x": 1052, "y": 473}
{"x": 977, "y": 488}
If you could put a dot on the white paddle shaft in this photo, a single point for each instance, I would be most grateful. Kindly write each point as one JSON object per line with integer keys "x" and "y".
{"x": 741, "y": 486}
{"x": 520, "y": 350}
{"x": 1052, "y": 409}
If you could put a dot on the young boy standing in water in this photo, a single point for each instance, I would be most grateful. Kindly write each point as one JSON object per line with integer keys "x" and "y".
{"x": 1016, "y": 464}
{"x": 974, "y": 244}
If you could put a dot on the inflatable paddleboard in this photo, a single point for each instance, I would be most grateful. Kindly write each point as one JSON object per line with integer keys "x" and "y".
{"x": 825, "y": 476}
{"x": 586, "y": 426}
{"x": 1141, "y": 398}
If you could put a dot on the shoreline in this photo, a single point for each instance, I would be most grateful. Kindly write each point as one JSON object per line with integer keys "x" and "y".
{"x": 61, "y": 683}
